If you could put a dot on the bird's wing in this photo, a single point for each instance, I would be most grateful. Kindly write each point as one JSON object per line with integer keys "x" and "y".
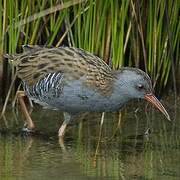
{"x": 35, "y": 63}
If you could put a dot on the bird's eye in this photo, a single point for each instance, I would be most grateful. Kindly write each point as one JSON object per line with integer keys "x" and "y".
{"x": 140, "y": 86}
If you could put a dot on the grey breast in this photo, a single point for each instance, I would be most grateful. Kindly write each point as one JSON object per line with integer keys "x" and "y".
{"x": 54, "y": 91}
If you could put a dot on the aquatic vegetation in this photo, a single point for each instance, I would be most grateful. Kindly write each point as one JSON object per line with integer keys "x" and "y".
{"x": 124, "y": 33}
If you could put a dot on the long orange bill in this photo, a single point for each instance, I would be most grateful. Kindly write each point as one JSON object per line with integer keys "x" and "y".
{"x": 152, "y": 99}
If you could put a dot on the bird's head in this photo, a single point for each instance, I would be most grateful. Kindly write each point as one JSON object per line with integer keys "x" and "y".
{"x": 135, "y": 83}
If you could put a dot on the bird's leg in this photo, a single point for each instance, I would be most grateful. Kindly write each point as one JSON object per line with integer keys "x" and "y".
{"x": 28, "y": 121}
{"x": 148, "y": 126}
{"x": 67, "y": 118}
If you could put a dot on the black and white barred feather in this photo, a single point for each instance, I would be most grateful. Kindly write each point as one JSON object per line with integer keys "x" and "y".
{"x": 51, "y": 86}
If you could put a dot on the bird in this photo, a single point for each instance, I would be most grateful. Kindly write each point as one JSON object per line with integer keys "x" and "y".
{"x": 74, "y": 81}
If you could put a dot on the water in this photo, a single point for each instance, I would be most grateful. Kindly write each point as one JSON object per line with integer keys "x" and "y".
{"x": 129, "y": 154}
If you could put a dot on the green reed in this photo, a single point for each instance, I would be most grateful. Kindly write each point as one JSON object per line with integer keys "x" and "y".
{"x": 143, "y": 34}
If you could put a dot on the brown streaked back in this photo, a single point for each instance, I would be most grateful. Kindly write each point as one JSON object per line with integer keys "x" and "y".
{"x": 35, "y": 63}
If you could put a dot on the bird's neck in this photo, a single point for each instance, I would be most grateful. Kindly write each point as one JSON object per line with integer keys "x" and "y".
{"x": 119, "y": 95}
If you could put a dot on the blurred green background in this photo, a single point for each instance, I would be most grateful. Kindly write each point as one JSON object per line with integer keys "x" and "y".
{"x": 144, "y": 34}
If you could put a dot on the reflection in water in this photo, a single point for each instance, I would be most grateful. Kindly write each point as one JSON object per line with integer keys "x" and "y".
{"x": 124, "y": 151}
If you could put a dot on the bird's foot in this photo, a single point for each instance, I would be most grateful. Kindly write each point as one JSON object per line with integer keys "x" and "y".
{"x": 147, "y": 133}
{"x": 27, "y": 131}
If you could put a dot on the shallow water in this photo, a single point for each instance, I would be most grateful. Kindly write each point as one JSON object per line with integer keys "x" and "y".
{"x": 129, "y": 154}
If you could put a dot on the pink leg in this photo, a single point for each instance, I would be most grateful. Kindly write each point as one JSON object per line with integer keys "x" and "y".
{"x": 67, "y": 118}
{"x": 28, "y": 120}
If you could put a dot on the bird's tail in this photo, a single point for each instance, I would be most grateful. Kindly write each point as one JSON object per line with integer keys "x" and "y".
{"x": 8, "y": 56}
{"x": 12, "y": 58}
{"x": 15, "y": 59}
